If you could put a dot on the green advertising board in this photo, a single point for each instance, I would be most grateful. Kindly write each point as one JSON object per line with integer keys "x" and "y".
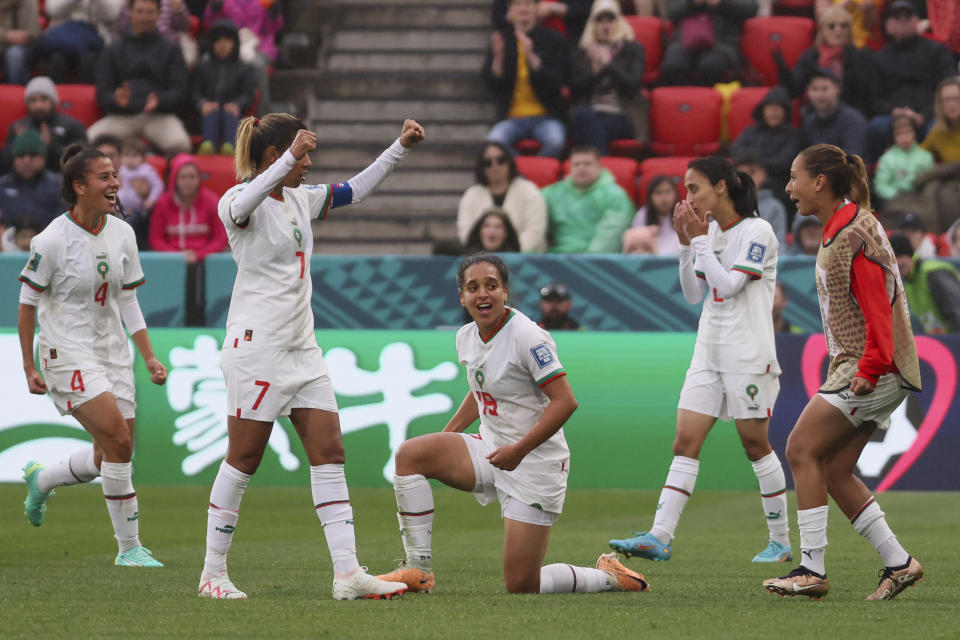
{"x": 390, "y": 386}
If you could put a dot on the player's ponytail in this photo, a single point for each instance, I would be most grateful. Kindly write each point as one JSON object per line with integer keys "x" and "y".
{"x": 256, "y": 135}
{"x": 845, "y": 172}
{"x": 740, "y": 186}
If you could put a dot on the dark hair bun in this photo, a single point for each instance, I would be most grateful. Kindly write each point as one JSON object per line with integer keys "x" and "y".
{"x": 69, "y": 152}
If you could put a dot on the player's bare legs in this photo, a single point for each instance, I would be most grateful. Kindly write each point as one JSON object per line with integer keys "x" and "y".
{"x": 441, "y": 456}
{"x": 692, "y": 431}
{"x": 524, "y": 547}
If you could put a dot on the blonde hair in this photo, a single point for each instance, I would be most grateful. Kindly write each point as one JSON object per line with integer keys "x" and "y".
{"x": 622, "y": 31}
{"x": 256, "y": 135}
{"x": 940, "y": 120}
{"x": 835, "y": 13}
{"x": 845, "y": 172}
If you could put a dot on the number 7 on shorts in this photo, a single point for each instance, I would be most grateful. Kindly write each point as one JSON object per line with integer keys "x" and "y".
{"x": 263, "y": 392}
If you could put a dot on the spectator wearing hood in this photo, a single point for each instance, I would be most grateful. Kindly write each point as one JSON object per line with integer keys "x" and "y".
{"x": 807, "y": 236}
{"x": 223, "y": 89}
{"x": 142, "y": 84}
{"x": 57, "y": 130}
{"x": 19, "y": 28}
{"x": 185, "y": 217}
{"x": 30, "y": 191}
{"x": 932, "y": 288}
{"x": 832, "y": 121}
{"x": 772, "y": 139}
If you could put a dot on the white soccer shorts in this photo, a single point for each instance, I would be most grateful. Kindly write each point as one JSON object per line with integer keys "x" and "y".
{"x": 723, "y": 395}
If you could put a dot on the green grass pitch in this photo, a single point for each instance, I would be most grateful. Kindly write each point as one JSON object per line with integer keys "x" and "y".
{"x": 58, "y": 581}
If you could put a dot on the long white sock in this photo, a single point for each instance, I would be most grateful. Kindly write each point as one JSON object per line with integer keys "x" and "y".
{"x": 566, "y": 578}
{"x": 415, "y": 516}
{"x": 673, "y": 498}
{"x": 121, "y": 503}
{"x": 872, "y": 525}
{"x": 773, "y": 493}
{"x": 332, "y": 503}
{"x": 222, "y": 515}
{"x": 78, "y": 468}
{"x": 812, "y": 524}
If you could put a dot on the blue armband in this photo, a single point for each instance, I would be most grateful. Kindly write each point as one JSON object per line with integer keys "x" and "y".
{"x": 342, "y": 194}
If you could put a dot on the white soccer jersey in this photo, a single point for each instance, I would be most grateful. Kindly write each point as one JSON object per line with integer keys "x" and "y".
{"x": 506, "y": 373}
{"x": 270, "y": 305}
{"x": 736, "y": 334}
{"x": 80, "y": 273}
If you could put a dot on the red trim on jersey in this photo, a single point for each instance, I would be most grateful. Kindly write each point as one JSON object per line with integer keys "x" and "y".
{"x": 32, "y": 285}
{"x": 868, "y": 283}
{"x": 277, "y": 198}
{"x": 551, "y": 379}
{"x": 96, "y": 232}
{"x": 843, "y": 214}
{"x": 732, "y": 224}
{"x": 503, "y": 321}
{"x": 753, "y": 274}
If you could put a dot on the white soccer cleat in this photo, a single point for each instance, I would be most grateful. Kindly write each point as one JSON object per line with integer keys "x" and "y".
{"x": 218, "y": 586}
{"x": 362, "y": 585}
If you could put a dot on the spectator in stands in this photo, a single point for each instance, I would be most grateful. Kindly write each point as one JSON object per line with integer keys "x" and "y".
{"x": 16, "y": 239}
{"x": 223, "y": 89}
{"x": 19, "y": 28}
{"x": 953, "y": 240}
{"x": 258, "y": 23}
{"x": 807, "y": 235}
{"x": 908, "y": 71}
{"x": 911, "y": 227}
{"x": 173, "y": 24}
{"x": 57, "y": 130}
{"x": 865, "y": 18}
{"x": 652, "y": 228}
{"x": 772, "y": 138}
{"x": 493, "y": 233}
{"x": 832, "y": 121}
{"x": 932, "y": 288}
{"x": 780, "y": 302}
{"x": 567, "y": 17}
{"x": 500, "y": 185}
{"x": 185, "y": 218}
{"x": 605, "y": 78}
{"x": 525, "y": 70}
{"x": 833, "y": 49}
{"x": 768, "y": 206}
{"x": 588, "y": 211}
{"x": 30, "y": 190}
{"x": 142, "y": 84}
{"x": 140, "y": 186}
{"x": 943, "y": 140}
{"x": 943, "y": 20}
{"x": 75, "y": 36}
{"x": 555, "y": 304}
{"x": 899, "y": 165}
{"x": 108, "y": 144}
{"x": 706, "y": 41}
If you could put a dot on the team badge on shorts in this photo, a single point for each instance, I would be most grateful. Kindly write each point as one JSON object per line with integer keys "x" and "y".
{"x": 752, "y": 391}
{"x": 756, "y": 252}
{"x": 542, "y": 355}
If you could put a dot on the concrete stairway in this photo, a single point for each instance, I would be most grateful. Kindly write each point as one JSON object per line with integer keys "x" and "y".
{"x": 383, "y": 61}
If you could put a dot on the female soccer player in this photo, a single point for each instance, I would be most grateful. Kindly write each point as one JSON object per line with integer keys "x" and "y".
{"x": 83, "y": 273}
{"x": 734, "y": 369}
{"x": 271, "y": 362}
{"x": 873, "y": 366}
{"x": 519, "y": 390}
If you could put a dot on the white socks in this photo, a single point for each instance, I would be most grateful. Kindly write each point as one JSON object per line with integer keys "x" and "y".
{"x": 872, "y": 525}
{"x": 121, "y": 502}
{"x": 673, "y": 498}
{"x": 332, "y": 503}
{"x": 773, "y": 492}
{"x": 813, "y": 538}
{"x": 76, "y": 469}
{"x": 415, "y": 516}
{"x": 566, "y": 578}
{"x": 222, "y": 515}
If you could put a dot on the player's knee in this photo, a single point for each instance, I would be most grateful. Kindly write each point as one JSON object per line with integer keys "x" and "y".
{"x": 409, "y": 458}
{"x": 798, "y": 453}
{"x": 755, "y": 449}
{"x": 522, "y": 584}
{"x": 247, "y": 463}
{"x": 686, "y": 447}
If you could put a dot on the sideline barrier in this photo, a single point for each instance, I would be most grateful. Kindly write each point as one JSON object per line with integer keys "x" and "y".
{"x": 392, "y": 385}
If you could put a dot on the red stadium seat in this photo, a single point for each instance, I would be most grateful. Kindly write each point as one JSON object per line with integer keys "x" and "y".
{"x": 673, "y": 168}
{"x": 624, "y": 171}
{"x": 216, "y": 173}
{"x": 685, "y": 121}
{"x": 79, "y": 101}
{"x": 159, "y": 163}
{"x": 742, "y": 103}
{"x": 539, "y": 170}
{"x": 650, "y": 32}
{"x": 793, "y": 35}
{"x": 527, "y": 147}
{"x": 14, "y": 108}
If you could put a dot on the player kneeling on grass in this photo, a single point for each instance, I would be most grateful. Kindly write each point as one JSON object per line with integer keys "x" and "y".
{"x": 272, "y": 365}
{"x": 873, "y": 367}
{"x": 520, "y": 392}
{"x": 83, "y": 273}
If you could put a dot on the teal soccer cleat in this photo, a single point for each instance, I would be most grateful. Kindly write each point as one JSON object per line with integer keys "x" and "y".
{"x": 137, "y": 557}
{"x": 642, "y": 545}
{"x": 35, "y": 504}
{"x": 775, "y": 552}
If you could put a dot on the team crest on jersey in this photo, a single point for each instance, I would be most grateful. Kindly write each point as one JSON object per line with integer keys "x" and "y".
{"x": 543, "y": 355}
{"x": 34, "y": 262}
{"x": 298, "y": 236}
{"x": 479, "y": 377}
{"x": 756, "y": 252}
{"x": 103, "y": 268}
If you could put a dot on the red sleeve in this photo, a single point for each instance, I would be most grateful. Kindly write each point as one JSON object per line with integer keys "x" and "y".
{"x": 868, "y": 280}
{"x": 217, "y": 240}
{"x": 158, "y": 223}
